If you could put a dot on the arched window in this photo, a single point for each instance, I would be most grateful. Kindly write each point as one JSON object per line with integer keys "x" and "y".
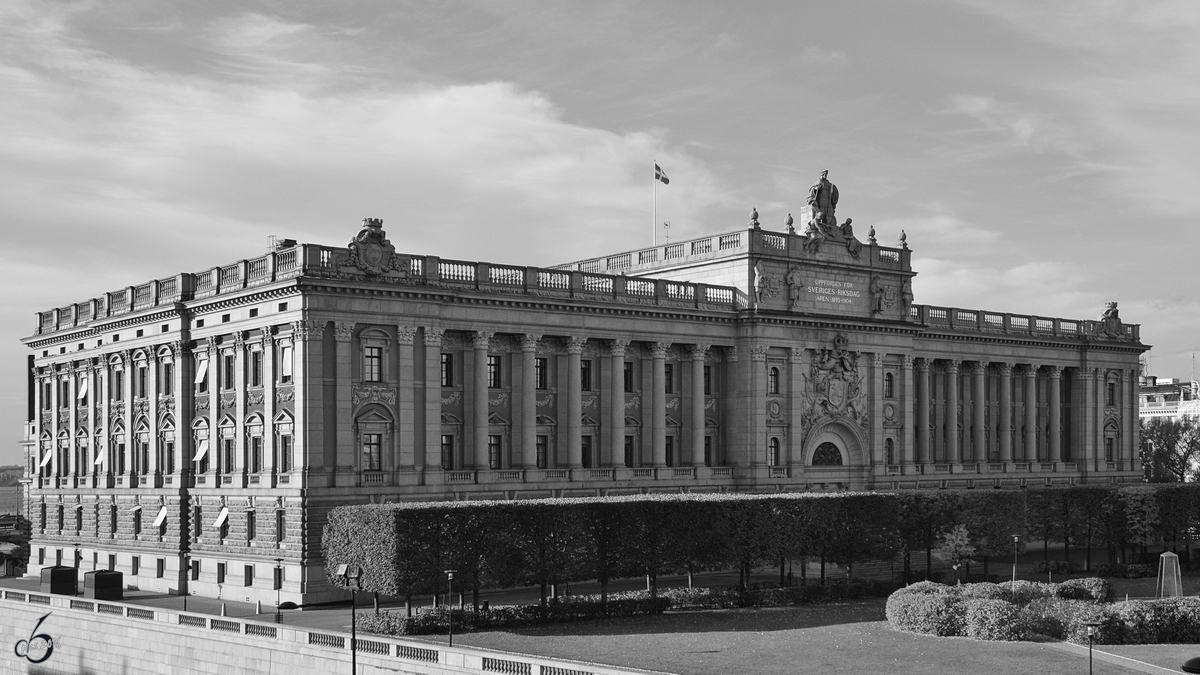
{"x": 889, "y": 449}
{"x": 773, "y": 447}
{"x": 827, "y": 454}
{"x": 889, "y": 385}
{"x": 773, "y": 381}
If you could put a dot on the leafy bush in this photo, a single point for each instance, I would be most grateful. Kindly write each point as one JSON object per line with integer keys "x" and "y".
{"x": 931, "y": 613}
{"x": 1089, "y": 588}
{"x": 987, "y": 591}
{"x": 926, "y": 588}
{"x": 1176, "y": 620}
{"x": 1055, "y": 566}
{"x": 1061, "y": 619}
{"x": 1120, "y": 571}
{"x": 724, "y": 597}
{"x": 1025, "y": 592}
{"x": 990, "y": 619}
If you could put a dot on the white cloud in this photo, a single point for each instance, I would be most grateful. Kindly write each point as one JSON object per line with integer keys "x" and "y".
{"x": 815, "y": 56}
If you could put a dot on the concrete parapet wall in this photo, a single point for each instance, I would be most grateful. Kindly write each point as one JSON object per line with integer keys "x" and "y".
{"x": 113, "y": 637}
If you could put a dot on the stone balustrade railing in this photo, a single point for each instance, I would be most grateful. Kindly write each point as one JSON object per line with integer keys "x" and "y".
{"x": 313, "y": 260}
{"x": 980, "y": 321}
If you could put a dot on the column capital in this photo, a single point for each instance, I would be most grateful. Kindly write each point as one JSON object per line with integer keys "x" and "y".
{"x": 1030, "y": 370}
{"x": 239, "y": 340}
{"x": 731, "y": 354}
{"x": 658, "y": 350}
{"x": 343, "y": 331}
{"x": 406, "y": 335}
{"x": 1082, "y": 373}
{"x": 1005, "y": 369}
{"x": 1055, "y": 371}
{"x": 698, "y": 352}
{"x": 922, "y": 365}
{"x": 877, "y": 359}
{"x": 303, "y": 330}
{"x": 616, "y": 348}
{"x": 951, "y": 365}
{"x": 530, "y": 342}
{"x": 434, "y": 336}
{"x": 979, "y": 368}
{"x": 574, "y": 344}
{"x": 758, "y": 352}
{"x": 908, "y": 361}
{"x": 481, "y": 339}
{"x": 795, "y": 355}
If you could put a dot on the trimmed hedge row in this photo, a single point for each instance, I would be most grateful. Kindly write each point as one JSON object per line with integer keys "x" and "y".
{"x": 1001, "y": 612}
{"x": 437, "y": 621}
{"x": 1119, "y": 571}
{"x": 727, "y": 597}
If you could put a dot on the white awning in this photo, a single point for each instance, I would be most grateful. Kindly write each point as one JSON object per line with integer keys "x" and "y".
{"x": 46, "y": 457}
{"x": 100, "y": 457}
{"x": 78, "y": 507}
{"x": 201, "y": 371}
{"x": 136, "y": 509}
{"x": 83, "y": 388}
{"x": 201, "y": 450}
{"x": 286, "y": 366}
{"x": 162, "y": 515}
{"x": 221, "y": 517}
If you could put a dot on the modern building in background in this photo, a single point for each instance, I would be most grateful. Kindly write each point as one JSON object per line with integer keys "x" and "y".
{"x": 1168, "y": 397}
{"x": 193, "y": 431}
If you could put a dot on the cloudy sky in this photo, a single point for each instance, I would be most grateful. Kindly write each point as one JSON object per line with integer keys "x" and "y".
{"x": 1040, "y": 155}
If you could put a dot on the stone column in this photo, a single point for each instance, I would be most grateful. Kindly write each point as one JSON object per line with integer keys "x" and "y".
{"x": 876, "y": 404}
{"x": 978, "y": 407}
{"x": 410, "y": 457}
{"x": 102, "y": 421}
{"x": 796, "y": 400}
{"x": 574, "y": 402}
{"x": 906, "y": 454}
{"x": 1005, "y": 421}
{"x": 1055, "y": 386}
{"x": 1079, "y": 418}
{"x": 347, "y": 457}
{"x": 1031, "y": 430}
{"x": 658, "y": 351}
{"x": 529, "y": 345}
{"x": 1131, "y": 429}
{"x": 698, "y": 354}
{"x": 268, "y": 382}
{"x": 72, "y": 423}
{"x": 924, "y": 456}
{"x": 479, "y": 399}
{"x": 953, "y": 452}
{"x": 185, "y": 409}
{"x": 214, "y": 402}
{"x": 152, "y": 391}
{"x": 612, "y": 419}
{"x": 127, "y": 416}
{"x": 756, "y": 397}
{"x": 433, "y": 398}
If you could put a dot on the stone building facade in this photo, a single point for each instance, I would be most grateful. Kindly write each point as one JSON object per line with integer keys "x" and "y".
{"x": 192, "y": 432}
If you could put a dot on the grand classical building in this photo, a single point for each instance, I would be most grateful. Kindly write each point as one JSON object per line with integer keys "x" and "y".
{"x": 193, "y": 431}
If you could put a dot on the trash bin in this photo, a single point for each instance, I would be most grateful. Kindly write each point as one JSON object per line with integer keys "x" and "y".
{"x": 104, "y": 585}
{"x": 59, "y": 580}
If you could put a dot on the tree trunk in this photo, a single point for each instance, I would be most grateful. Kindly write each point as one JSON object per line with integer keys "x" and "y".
{"x": 782, "y": 572}
{"x": 1087, "y": 563}
{"x": 543, "y": 594}
{"x": 928, "y": 560}
{"x": 691, "y": 580}
{"x": 804, "y": 570}
{"x": 907, "y": 566}
{"x": 822, "y": 569}
{"x": 475, "y": 597}
{"x": 408, "y": 605}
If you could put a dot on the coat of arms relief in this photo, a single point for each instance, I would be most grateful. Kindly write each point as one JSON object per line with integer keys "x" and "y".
{"x": 834, "y": 388}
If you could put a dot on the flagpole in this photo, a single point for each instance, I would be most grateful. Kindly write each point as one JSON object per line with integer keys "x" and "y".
{"x": 654, "y": 213}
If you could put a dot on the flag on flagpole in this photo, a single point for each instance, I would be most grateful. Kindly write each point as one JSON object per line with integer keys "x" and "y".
{"x": 659, "y": 174}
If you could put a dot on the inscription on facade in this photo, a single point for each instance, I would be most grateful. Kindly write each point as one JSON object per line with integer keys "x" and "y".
{"x": 837, "y": 292}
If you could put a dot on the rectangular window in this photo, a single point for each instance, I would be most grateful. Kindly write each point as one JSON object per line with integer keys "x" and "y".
{"x": 708, "y": 451}
{"x": 64, "y": 399}
{"x": 112, "y": 518}
{"x": 585, "y": 375}
{"x": 447, "y": 452}
{"x": 47, "y": 395}
{"x": 142, "y": 378}
{"x": 1110, "y": 396}
{"x": 58, "y": 557}
{"x": 585, "y": 446}
{"x": 670, "y": 450}
{"x": 256, "y": 454}
{"x": 278, "y": 578}
{"x": 195, "y": 570}
{"x": 493, "y": 372}
{"x": 229, "y": 446}
{"x": 256, "y": 368}
{"x": 249, "y": 572}
{"x": 285, "y": 365}
{"x": 494, "y": 452}
{"x": 447, "y": 370}
{"x": 543, "y": 451}
{"x": 78, "y": 520}
{"x": 112, "y": 562}
{"x": 225, "y": 529}
{"x": 160, "y": 568}
{"x": 540, "y": 374}
{"x": 669, "y": 378}
{"x": 133, "y": 568}
{"x": 220, "y": 573}
{"x": 373, "y": 364}
{"x": 198, "y": 520}
{"x": 41, "y": 556}
{"x": 628, "y": 377}
{"x": 629, "y": 451}
{"x": 285, "y": 454}
{"x": 83, "y": 390}
{"x": 167, "y": 386}
{"x": 201, "y": 381}
{"x": 707, "y": 380}
{"x": 118, "y": 385}
{"x": 230, "y": 371}
{"x": 137, "y": 522}
{"x": 1108, "y": 449}
{"x": 372, "y": 449}
{"x": 251, "y": 526}
{"x": 280, "y": 525}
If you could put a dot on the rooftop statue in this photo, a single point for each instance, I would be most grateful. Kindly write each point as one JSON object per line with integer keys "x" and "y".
{"x": 823, "y": 197}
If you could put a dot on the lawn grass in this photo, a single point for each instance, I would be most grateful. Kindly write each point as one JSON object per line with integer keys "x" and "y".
{"x": 848, "y": 638}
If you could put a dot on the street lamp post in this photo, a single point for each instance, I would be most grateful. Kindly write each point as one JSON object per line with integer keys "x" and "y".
{"x": 1016, "y": 540}
{"x": 352, "y": 573}
{"x": 278, "y": 588}
{"x": 450, "y": 601}
{"x": 1091, "y": 633}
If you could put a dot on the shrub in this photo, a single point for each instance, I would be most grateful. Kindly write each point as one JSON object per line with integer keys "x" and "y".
{"x": 991, "y": 619}
{"x": 931, "y": 613}
{"x": 1063, "y": 619}
{"x": 1055, "y": 566}
{"x": 1119, "y": 571}
{"x": 986, "y": 591}
{"x": 926, "y": 588}
{"x": 1089, "y": 588}
{"x": 1159, "y": 621}
{"x": 1024, "y": 592}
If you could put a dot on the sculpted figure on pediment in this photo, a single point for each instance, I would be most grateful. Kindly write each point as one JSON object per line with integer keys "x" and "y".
{"x": 371, "y": 252}
{"x": 823, "y": 197}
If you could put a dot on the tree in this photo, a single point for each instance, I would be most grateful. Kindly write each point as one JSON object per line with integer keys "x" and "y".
{"x": 1171, "y": 449}
{"x": 992, "y": 517}
{"x": 925, "y": 517}
{"x": 957, "y": 545}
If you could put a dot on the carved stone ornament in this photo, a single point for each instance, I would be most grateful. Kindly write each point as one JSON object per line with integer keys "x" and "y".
{"x": 834, "y": 387}
{"x": 343, "y": 331}
{"x": 166, "y": 402}
{"x": 1110, "y": 324}
{"x": 371, "y": 252}
{"x": 201, "y": 405}
{"x": 775, "y": 409}
{"x": 883, "y": 296}
{"x": 285, "y": 394}
{"x": 405, "y": 334}
{"x": 795, "y": 284}
{"x": 362, "y": 395}
{"x": 228, "y": 401}
{"x": 305, "y": 330}
{"x": 255, "y": 398}
{"x": 433, "y": 336}
{"x": 140, "y": 406}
